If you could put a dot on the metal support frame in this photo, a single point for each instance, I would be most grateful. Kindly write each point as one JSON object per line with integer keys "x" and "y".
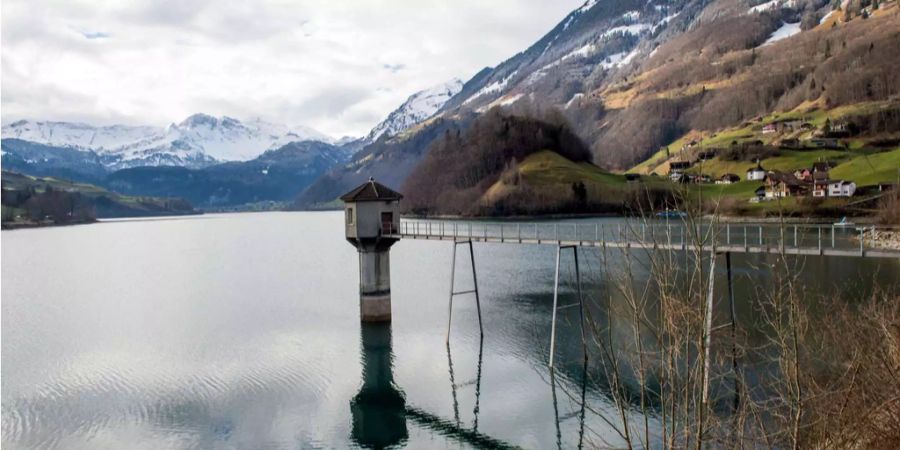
{"x": 559, "y": 250}
{"x": 471, "y": 291}
{"x": 734, "y": 363}
{"x": 707, "y": 327}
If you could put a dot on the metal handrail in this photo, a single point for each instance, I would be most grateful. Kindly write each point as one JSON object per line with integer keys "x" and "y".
{"x": 805, "y": 238}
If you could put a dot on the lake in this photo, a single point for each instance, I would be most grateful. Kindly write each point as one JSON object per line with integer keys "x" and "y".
{"x": 242, "y": 331}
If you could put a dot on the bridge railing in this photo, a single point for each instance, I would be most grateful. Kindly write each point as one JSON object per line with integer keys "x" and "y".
{"x": 810, "y": 237}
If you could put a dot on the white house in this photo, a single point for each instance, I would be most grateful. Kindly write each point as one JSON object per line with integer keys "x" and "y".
{"x": 841, "y": 188}
{"x": 756, "y": 174}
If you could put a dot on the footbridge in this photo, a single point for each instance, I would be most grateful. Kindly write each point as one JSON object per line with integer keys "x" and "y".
{"x": 788, "y": 239}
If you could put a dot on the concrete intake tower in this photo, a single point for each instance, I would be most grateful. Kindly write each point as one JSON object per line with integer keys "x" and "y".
{"x": 371, "y": 216}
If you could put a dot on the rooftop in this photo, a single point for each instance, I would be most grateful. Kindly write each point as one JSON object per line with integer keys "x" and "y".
{"x": 371, "y": 191}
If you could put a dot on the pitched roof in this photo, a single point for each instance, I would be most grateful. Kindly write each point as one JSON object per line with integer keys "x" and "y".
{"x": 371, "y": 191}
{"x": 782, "y": 177}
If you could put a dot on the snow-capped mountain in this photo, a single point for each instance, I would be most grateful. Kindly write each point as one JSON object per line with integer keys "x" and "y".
{"x": 197, "y": 141}
{"x": 415, "y": 109}
{"x": 591, "y": 43}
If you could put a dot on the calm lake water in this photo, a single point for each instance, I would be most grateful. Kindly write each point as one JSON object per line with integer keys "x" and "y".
{"x": 242, "y": 331}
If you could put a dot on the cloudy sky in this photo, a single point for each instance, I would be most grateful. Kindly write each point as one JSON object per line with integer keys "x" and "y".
{"x": 336, "y": 65}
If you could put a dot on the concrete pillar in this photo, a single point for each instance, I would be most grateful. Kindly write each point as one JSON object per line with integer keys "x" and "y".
{"x": 374, "y": 284}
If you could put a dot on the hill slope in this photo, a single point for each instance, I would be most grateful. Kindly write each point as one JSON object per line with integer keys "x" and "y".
{"x": 29, "y": 201}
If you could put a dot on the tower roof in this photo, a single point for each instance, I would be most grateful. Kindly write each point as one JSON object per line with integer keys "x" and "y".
{"x": 371, "y": 191}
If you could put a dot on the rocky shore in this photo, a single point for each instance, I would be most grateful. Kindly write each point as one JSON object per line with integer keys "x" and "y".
{"x": 889, "y": 239}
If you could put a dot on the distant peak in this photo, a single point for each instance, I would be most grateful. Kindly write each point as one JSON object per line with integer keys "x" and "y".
{"x": 199, "y": 119}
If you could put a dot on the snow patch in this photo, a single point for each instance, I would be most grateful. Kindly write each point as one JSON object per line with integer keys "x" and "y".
{"x": 415, "y": 109}
{"x": 773, "y": 4}
{"x": 664, "y": 21}
{"x": 576, "y": 97}
{"x": 510, "y": 100}
{"x": 632, "y": 15}
{"x": 764, "y": 6}
{"x": 785, "y": 31}
{"x": 634, "y": 29}
{"x": 496, "y": 86}
{"x": 823, "y": 19}
{"x": 581, "y": 52}
{"x": 618, "y": 59}
{"x": 587, "y": 5}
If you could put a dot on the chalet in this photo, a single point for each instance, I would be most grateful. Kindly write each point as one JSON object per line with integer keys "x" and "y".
{"x": 706, "y": 156}
{"x": 700, "y": 179}
{"x": 684, "y": 178}
{"x": 632, "y": 177}
{"x": 757, "y": 173}
{"x": 769, "y": 129}
{"x": 820, "y": 187}
{"x": 728, "y": 178}
{"x": 791, "y": 143}
{"x": 781, "y": 184}
{"x": 841, "y": 188}
{"x": 689, "y": 145}
{"x": 677, "y": 168}
{"x": 840, "y": 129}
{"x": 758, "y": 195}
{"x": 806, "y": 126}
{"x": 804, "y": 175}
{"x": 791, "y": 125}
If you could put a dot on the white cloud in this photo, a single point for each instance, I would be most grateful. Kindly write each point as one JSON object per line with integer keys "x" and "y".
{"x": 337, "y": 66}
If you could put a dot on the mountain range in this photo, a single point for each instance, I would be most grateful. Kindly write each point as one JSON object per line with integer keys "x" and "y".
{"x": 198, "y": 141}
{"x": 214, "y": 162}
{"x": 633, "y": 78}
{"x": 630, "y": 78}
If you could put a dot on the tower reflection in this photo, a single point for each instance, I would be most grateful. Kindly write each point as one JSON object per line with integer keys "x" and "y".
{"x": 379, "y": 408}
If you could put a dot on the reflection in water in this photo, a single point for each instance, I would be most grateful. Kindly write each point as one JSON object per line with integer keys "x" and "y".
{"x": 582, "y": 403}
{"x": 379, "y": 409}
{"x": 453, "y": 386}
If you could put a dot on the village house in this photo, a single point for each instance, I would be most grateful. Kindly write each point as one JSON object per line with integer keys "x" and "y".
{"x": 759, "y": 195}
{"x": 769, "y": 129}
{"x": 781, "y": 184}
{"x": 728, "y": 178}
{"x": 790, "y": 125}
{"x": 840, "y": 129}
{"x": 706, "y": 156}
{"x": 757, "y": 173}
{"x": 804, "y": 175}
{"x": 791, "y": 143}
{"x": 700, "y": 179}
{"x": 632, "y": 177}
{"x": 677, "y": 168}
{"x": 841, "y": 188}
{"x": 820, "y": 187}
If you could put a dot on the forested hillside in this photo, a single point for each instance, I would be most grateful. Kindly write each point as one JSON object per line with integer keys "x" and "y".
{"x": 636, "y": 80}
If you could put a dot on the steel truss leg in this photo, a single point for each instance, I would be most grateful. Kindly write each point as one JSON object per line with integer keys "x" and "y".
{"x": 559, "y": 250}
{"x": 454, "y": 293}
